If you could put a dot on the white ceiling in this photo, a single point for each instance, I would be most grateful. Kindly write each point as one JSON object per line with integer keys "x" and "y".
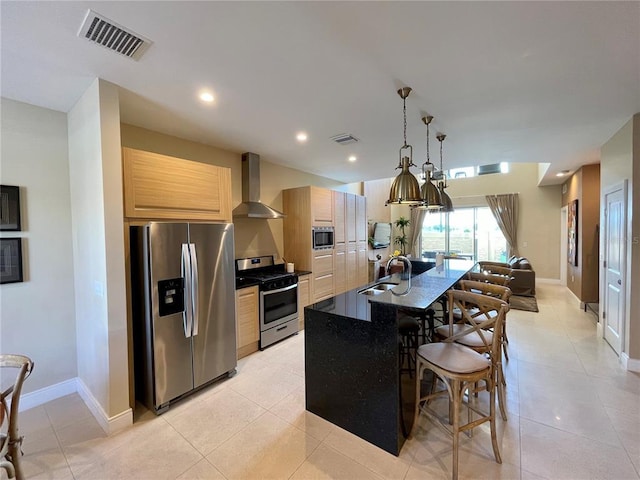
{"x": 506, "y": 81}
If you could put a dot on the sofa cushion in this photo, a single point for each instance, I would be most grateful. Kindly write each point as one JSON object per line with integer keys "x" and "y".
{"x": 513, "y": 262}
{"x": 524, "y": 264}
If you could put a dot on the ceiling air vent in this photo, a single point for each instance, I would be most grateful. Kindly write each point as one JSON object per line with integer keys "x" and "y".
{"x": 344, "y": 139}
{"x": 104, "y": 32}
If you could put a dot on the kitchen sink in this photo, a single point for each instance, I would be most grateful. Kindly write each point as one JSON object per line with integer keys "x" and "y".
{"x": 378, "y": 288}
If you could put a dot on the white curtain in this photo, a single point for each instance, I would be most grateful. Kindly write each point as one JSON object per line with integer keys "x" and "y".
{"x": 505, "y": 210}
{"x": 417, "y": 217}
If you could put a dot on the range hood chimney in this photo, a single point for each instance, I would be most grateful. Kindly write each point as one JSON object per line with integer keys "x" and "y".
{"x": 251, "y": 206}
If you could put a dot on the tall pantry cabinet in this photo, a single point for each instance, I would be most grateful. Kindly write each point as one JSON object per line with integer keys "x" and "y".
{"x": 333, "y": 270}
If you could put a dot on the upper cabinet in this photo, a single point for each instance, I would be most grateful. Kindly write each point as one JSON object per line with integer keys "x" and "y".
{"x": 161, "y": 187}
{"x": 321, "y": 206}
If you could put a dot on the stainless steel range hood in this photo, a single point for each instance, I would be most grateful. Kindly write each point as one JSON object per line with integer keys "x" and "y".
{"x": 251, "y": 206}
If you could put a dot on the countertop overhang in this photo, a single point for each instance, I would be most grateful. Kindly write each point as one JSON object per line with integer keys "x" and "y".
{"x": 425, "y": 289}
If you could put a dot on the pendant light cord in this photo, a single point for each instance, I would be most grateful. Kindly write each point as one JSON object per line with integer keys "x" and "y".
{"x": 428, "y": 158}
{"x": 404, "y": 113}
{"x": 441, "y": 137}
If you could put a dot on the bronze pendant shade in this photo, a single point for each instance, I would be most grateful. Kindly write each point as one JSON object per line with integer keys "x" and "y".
{"x": 430, "y": 195}
{"x": 405, "y": 188}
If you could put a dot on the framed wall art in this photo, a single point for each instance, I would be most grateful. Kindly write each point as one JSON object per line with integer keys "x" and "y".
{"x": 10, "y": 208}
{"x": 10, "y": 260}
{"x": 572, "y": 225}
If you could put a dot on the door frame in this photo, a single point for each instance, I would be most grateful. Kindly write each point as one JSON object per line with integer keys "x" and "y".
{"x": 564, "y": 238}
{"x": 623, "y": 186}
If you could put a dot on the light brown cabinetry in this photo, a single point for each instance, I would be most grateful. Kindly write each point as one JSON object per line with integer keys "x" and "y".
{"x": 340, "y": 249}
{"x": 361, "y": 240}
{"x": 334, "y": 270}
{"x": 304, "y": 297}
{"x": 161, "y": 187}
{"x": 356, "y": 241}
{"x": 247, "y": 321}
{"x": 305, "y": 208}
{"x": 321, "y": 206}
{"x": 323, "y": 278}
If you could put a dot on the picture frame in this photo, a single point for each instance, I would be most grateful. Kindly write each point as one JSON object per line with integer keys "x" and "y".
{"x": 572, "y": 237}
{"x": 10, "y": 208}
{"x": 11, "y": 260}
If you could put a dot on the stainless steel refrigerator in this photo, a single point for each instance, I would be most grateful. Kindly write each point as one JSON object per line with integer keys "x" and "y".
{"x": 183, "y": 304}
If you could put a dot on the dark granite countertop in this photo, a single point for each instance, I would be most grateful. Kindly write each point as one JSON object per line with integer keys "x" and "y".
{"x": 426, "y": 288}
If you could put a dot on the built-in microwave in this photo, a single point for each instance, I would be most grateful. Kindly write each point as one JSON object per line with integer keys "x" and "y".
{"x": 322, "y": 237}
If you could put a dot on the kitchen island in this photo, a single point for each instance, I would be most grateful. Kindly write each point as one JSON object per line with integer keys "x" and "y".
{"x": 352, "y": 357}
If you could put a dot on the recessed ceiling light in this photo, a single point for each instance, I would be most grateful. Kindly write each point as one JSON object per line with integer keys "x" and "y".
{"x": 562, "y": 173}
{"x": 206, "y": 97}
{"x": 301, "y": 137}
{"x": 352, "y": 158}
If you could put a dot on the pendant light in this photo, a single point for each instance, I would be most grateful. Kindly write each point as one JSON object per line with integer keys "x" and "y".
{"x": 447, "y": 204}
{"x": 405, "y": 188}
{"x": 429, "y": 192}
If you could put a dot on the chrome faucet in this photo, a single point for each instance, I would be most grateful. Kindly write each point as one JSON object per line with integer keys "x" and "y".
{"x": 407, "y": 267}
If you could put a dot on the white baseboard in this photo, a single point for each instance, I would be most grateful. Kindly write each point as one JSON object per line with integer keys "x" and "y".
{"x": 76, "y": 385}
{"x": 46, "y": 394}
{"x": 578, "y": 302}
{"x": 630, "y": 364}
{"x": 109, "y": 424}
{"x": 600, "y": 330}
{"x": 553, "y": 281}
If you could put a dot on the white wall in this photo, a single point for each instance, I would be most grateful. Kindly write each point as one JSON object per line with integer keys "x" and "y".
{"x": 98, "y": 247}
{"x": 37, "y": 317}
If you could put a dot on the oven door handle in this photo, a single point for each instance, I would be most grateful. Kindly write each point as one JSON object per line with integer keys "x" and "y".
{"x": 280, "y": 290}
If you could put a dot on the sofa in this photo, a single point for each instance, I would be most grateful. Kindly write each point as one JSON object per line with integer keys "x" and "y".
{"x": 523, "y": 277}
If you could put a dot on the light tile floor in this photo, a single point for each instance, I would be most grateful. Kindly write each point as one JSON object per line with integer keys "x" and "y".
{"x": 573, "y": 414}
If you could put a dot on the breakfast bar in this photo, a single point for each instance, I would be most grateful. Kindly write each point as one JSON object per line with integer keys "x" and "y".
{"x": 352, "y": 358}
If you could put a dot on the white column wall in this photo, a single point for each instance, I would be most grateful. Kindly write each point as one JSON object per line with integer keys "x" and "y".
{"x": 96, "y": 199}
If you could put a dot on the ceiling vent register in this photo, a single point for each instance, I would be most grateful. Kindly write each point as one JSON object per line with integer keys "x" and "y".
{"x": 108, "y": 34}
{"x": 344, "y": 139}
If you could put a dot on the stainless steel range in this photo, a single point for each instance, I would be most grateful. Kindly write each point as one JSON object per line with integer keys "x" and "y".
{"x": 278, "y": 297}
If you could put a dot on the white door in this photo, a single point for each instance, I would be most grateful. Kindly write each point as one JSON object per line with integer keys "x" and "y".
{"x": 614, "y": 266}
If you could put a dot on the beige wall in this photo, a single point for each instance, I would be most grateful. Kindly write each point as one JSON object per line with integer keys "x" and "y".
{"x": 584, "y": 186}
{"x": 539, "y": 211}
{"x": 98, "y": 249}
{"x": 37, "y": 316}
{"x": 252, "y": 236}
{"x": 620, "y": 160}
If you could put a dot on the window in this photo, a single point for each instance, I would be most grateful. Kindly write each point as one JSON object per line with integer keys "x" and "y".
{"x": 471, "y": 233}
{"x": 502, "y": 167}
{"x": 433, "y": 235}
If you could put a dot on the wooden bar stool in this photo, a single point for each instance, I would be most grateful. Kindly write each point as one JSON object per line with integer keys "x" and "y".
{"x": 460, "y": 367}
{"x": 10, "y": 440}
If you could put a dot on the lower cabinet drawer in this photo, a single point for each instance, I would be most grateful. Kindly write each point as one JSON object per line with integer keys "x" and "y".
{"x": 323, "y": 263}
{"x": 323, "y": 286}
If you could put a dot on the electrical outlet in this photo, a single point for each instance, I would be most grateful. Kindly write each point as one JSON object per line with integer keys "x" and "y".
{"x": 525, "y": 244}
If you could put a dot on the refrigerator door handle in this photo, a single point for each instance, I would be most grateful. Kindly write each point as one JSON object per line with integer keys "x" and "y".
{"x": 185, "y": 271}
{"x": 194, "y": 287}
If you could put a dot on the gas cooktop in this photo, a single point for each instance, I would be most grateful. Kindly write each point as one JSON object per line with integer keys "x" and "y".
{"x": 261, "y": 271}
